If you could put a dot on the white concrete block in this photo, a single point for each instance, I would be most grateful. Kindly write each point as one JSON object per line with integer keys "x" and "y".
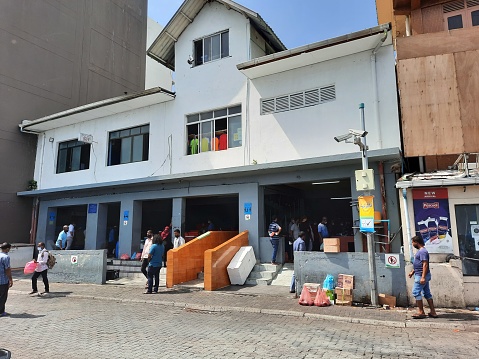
{"x": 241, "y": 265}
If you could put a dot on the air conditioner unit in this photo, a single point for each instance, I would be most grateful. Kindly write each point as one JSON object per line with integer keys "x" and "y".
{"x": 86, "y": 138}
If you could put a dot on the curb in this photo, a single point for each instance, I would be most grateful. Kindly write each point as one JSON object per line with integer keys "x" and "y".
{"x": 278, "y": 312}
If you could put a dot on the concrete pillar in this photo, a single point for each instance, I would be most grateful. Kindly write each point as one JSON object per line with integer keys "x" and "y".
{"x": 95, "y": 234}
{"x": 251, "y": 213}
{"x": 178, "y": 214}
{"x": 130, "y": 226}
{"x": 47, "y": 219}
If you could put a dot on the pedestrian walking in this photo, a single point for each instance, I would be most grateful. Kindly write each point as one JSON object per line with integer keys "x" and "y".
{"x": 61, "y": 242}
{"x": 298, "y": 246}
{"x": 274, "y": 230}
{"x": 155, "y": 256}
{"x": 6, "y": 280}
{"x": 422, "y": 277}
{"x": 179, "y": 240}
{"x": 145, "y": 253}
{"x": 41, "y": 270}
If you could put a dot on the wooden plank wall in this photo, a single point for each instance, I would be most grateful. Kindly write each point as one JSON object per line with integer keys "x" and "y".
{"x": 430, "y": 106}
{"x": 467, "y": 69}
{"x": 432, "y": 19}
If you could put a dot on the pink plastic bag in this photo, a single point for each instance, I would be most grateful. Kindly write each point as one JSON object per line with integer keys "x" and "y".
{"x": 125, "y": 256}
{"x": 305, "y": 298}
{"x": 321, "y": 299}
{"x": 30, "y": 267}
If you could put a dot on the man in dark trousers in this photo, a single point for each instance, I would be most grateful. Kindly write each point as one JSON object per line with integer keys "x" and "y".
{"x": 6, "y": 280}
{"x": 422, "y": 277}
{"x": 41, "y": 270}
{"x": 274, "y": 230}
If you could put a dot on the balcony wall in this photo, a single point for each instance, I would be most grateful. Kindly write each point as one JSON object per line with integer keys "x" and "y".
{"x": 218, "y": 259}
{"x": 438, "y": 80}
{"x": 184, "y": 263}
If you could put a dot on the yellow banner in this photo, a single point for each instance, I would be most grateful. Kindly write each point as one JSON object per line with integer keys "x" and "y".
{"x": 366, "y": 206}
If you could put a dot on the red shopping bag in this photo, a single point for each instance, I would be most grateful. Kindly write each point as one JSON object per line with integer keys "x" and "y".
{"x": 321, "y": 299}
{"x": 125, "y": 256}
{"x": 305, "y": 298}
{"x": 30, "y": 267}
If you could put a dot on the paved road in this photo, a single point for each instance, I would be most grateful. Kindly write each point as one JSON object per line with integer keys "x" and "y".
{"x": 65, "y": 327}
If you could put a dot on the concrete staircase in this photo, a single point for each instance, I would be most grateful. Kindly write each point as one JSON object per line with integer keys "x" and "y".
{"x": 129, "y": 269}
{"x": 263, "y": 274}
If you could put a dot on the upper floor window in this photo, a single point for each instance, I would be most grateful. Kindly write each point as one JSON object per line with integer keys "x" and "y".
{"x": 461, "y": 13}
{"x": 212, "y": 47}
{"x": 73, "y": 156}
{"x": 214, "y": 130}
{"x": 129, "y": 145}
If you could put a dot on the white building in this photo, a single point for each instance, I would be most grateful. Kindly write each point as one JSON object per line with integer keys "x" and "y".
{"x": 274, "y": 113}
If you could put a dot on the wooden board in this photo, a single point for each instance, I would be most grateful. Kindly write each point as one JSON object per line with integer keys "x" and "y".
{"x": 467, "y": 69}
{"x": 444, "y": 42}
{"x": 432, "y": 19}
{"x": 416, "y": 22}
{"x": 430, "y": 106}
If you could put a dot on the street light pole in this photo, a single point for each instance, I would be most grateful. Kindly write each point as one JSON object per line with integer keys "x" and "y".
{"x": 369, "y": 235}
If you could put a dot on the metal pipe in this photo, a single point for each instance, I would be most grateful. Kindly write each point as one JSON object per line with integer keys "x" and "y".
{"x": 375, "y": 88}
{"x": 408, "y": 25}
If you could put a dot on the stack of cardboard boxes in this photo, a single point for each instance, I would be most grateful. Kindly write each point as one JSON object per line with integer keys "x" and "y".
{"x": 331, "y": 245}
{"x": 344, "y": 289}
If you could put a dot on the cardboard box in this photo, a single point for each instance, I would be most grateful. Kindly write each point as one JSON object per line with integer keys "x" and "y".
{"x": 387, "y": 299}
{"x": 345, "y": 281}
{"x": 331, "y": 242}
{"x": 331, "y": 249}
{"x": 344, "y": 302}
{"x": 343, "y": 291}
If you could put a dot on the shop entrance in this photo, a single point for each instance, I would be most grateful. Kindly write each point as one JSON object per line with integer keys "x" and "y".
{"x": 314, "y": 200}
{"x": 73, "y": 215}
{"x": 221, "y": 211}
{"x": 156, "y": 215}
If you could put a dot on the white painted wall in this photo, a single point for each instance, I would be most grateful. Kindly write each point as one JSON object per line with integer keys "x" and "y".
{"x": 156, "y": 75}
{"x": 297, "y": 134}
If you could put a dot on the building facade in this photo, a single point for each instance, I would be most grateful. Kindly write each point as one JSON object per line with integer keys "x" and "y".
{"x": 248, "y": 133}
{"x": 58, "y": 55}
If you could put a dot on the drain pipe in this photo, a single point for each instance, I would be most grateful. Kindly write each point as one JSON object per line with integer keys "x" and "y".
{"x": 375, "y": 88}
{"x": 408, "y": 225}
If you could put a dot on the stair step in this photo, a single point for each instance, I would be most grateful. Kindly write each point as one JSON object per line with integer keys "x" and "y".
{"x": 262, "y": 275}
{"x": 267, "y": 267}
{"x": 260, "y": 281}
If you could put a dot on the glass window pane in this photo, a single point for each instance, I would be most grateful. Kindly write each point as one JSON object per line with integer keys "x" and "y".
{"x": 467, "y": 232}
{"x": 114, "y": 153}
{"x": 205, "y": 139}
{"x": 124, "y": 133}
{"x": 235, "y": 134}
{"x": 125, "y": 156}
{"x": 233, "y": 110}
{"x": 207, "y": 49}
{"x": 454, "y": 22}
{"x": 63, "y": 145}
{"x": 76, "y": 155}
{"x": 475, "y": 18}
{"x": 225, "y": 44}
{"x": 192, "y": 145}
{"x": 137, "y": 148}
{"x": 207, "y": 115}
{"x": 198, "y": 52}
{"x": 135, "y": 131}
{"x": 215, "y": 47}
{"x": 115, "y": 134}
{"x": 145, "y": 129}
{"x": 85, "y": 157}
{"x": 62, "y": 161}
{"x": 220, "y": 113}
{"x": 192, "y": 118}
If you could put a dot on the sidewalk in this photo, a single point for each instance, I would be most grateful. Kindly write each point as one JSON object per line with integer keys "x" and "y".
{"x": 271, "y": 299}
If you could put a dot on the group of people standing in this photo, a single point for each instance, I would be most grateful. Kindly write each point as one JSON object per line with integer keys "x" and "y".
{"x": 154, "y": 255}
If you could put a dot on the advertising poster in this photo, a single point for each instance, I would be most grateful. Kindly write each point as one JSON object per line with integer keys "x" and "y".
{"x": 366, "y": 213}
{"x": 431, "y": 217}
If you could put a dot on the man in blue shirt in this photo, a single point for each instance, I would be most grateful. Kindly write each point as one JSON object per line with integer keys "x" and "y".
{"x": 155, "y": 258}
{"x": 323, "y": 229}
{"x": 61, "y": 242}
{"x": 6, "y": 280}
{"x": 274, "y": 230}
{"x": 298, "y": 246}
{"x": 422, "y": 277}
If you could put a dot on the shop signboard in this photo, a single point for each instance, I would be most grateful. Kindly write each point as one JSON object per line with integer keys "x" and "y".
{"x": 432, "y": 220}
{"x": 366, "y": 213}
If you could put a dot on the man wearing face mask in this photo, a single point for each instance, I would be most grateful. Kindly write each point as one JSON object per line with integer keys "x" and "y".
{"x": 144, "y": 254}
{"x": 41, "y": 270}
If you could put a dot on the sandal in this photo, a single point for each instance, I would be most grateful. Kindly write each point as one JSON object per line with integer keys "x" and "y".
{"x": 419, "y": 316}
{"x": 432, "y": 316}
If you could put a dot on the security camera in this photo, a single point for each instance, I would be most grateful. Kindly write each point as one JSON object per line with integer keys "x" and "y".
{"x": 359, "y": 133}
{"x": 345, "y": 137}
{"x": 190, "y": 60}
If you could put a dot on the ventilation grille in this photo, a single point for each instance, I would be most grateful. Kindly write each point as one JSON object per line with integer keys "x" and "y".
{"x": 453, "y": 6}
{"x": 298, "y": 100}
{"x": 471, "y": 3}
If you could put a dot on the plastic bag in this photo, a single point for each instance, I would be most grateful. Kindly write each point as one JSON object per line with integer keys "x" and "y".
{"x": 125, "y": 256}
{"x": 321, "y": 299}
{"x": 138, "y": 256}
{"x": 30, "y": 267}
{"x": 328, "y": 283}
{"x": 305, "y": 298}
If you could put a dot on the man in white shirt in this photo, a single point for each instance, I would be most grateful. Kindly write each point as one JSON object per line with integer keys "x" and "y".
{"x": 41, "y": 270}
{"x": 70, "y": 234}
{"x": 179, "y": 240}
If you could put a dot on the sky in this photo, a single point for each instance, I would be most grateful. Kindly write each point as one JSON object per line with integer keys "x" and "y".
{"x": 295, "y": 22}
